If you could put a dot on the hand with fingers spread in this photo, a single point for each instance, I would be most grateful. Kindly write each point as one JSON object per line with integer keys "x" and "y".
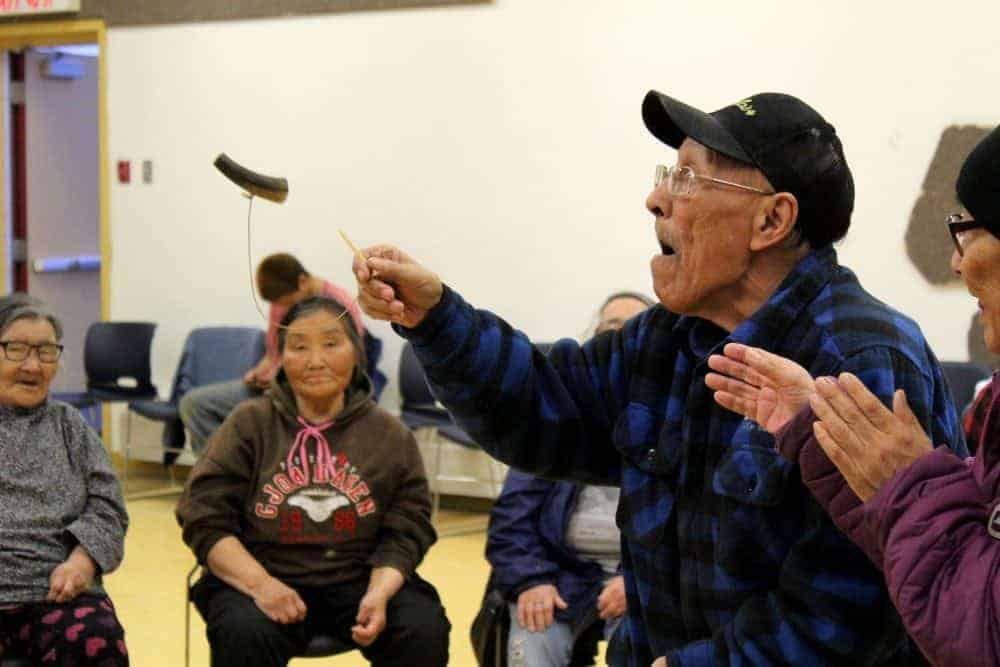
{"x": 393, "y": 287}
{"x": 761, "y": 386}
{"x": 868, "y": 443}
{"x": 536, "y": 607}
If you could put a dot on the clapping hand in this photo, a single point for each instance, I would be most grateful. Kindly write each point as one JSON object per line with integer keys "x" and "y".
{"x": 868, "y": 443}
{"x": 761, "y": 386}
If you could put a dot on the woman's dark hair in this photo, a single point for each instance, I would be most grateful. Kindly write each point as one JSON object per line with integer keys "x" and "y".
{"x": 278, "y": 275}
{"x": 322, "y": 303}
{"x": 20, "y": 306}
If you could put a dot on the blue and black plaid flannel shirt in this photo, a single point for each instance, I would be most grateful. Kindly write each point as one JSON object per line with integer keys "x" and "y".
{"x": 727, "y": 558}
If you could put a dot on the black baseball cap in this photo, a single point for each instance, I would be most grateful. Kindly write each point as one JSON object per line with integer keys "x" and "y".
{"x": 978, "y": 185}
{"x": 796, "y": 149}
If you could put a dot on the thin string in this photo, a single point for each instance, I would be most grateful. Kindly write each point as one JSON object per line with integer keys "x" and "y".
{"x": 253, "y": 287}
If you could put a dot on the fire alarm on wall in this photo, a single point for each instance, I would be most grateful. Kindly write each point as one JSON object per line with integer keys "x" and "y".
{"x": 124, "y": 171}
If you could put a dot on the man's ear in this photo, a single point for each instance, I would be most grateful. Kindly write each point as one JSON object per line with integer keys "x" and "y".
{"x": 775, "y": 223}
{"x": 303, "y": 281}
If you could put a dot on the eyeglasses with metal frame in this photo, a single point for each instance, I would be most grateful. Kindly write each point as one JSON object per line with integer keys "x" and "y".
{"x": 680, "y": 181}
{"x": 48, "y": 353}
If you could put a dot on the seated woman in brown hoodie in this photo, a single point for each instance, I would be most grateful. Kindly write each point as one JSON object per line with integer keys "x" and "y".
{"x": 311, "y": 511}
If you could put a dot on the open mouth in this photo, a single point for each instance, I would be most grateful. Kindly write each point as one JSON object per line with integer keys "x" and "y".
{"x": 666, "y": 249}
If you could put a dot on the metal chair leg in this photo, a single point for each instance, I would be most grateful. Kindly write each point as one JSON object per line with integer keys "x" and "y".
{"x": 187, "y": 627}
{"x": 436, "y": 496}
{"x": 498, "y": 647}
{"x": 128, "y": 443}
{"x": 187, "y": 616}
{"x": 172, "y": 489}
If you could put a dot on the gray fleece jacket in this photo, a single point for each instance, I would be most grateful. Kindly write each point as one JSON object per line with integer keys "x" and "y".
{"x": 57, "y": 490}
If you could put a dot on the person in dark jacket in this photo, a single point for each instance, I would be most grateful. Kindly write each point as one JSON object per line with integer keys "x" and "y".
{"x": 930, "y": 520}
{"x": 555, "y": 550}
{"x": 311, "y": 511}
{"x": 726, "y": 557}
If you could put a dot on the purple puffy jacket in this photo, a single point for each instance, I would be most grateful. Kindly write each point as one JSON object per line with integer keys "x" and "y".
{"x": 934, "y": 531}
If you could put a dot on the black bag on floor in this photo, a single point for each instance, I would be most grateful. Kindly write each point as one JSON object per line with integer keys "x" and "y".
{"x": 490, "y": 630}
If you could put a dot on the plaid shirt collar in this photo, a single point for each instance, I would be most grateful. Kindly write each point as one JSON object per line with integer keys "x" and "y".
{"x": 771, "y": 322}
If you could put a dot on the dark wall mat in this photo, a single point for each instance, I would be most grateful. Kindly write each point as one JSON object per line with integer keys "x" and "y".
{"x": 151, "y": 12}
{"x": 928, "y": 244}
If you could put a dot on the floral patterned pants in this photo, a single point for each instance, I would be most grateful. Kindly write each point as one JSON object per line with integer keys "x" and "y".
{"x": 83, "y": 631}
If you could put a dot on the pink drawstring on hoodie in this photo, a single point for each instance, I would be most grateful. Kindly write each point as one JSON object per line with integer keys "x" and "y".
{"x": 324, "y": 459}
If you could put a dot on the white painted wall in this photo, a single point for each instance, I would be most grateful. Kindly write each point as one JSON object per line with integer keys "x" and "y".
{"x": 503, "y": 144}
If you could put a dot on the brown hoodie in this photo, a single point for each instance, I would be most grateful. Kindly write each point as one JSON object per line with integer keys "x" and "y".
{"x": 314, "y": 504}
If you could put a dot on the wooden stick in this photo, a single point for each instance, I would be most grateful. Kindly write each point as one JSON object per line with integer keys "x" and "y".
{"x": 355, "y": 249}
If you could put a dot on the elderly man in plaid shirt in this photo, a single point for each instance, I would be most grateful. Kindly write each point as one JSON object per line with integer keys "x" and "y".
{"x": 727, "y": 559}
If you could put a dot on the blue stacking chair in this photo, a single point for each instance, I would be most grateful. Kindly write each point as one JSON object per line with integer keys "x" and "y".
{"x": 116, "y": 358}
{"x": 211, "y": 354}
{"x": 431, "y": 423}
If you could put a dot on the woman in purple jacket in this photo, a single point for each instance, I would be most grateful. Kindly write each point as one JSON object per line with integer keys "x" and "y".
{"x": 928, "y": 519}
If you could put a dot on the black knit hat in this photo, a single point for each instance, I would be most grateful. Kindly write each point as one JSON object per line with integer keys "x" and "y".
{"x": 795, "y": 148}
{"x": 978, "y": 185}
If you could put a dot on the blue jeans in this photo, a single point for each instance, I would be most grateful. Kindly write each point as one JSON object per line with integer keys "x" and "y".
{"x": 203, "y": 409}
{"x": 551, "y": 648}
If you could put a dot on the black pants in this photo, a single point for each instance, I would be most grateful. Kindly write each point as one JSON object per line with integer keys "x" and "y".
{"x": 240, "y": 635}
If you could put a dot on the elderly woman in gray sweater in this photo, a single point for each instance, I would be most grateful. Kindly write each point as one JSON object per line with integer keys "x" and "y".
{"x": 62, "y": 516}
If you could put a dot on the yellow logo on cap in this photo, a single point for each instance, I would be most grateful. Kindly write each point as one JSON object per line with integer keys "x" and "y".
{"x": 746, "y": 106}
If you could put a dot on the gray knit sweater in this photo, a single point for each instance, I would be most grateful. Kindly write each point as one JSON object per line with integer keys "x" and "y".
{"x": 57, "y": 490}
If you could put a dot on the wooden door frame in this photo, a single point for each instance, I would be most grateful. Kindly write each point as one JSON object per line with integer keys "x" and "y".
{"x": 14, "y": 36}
